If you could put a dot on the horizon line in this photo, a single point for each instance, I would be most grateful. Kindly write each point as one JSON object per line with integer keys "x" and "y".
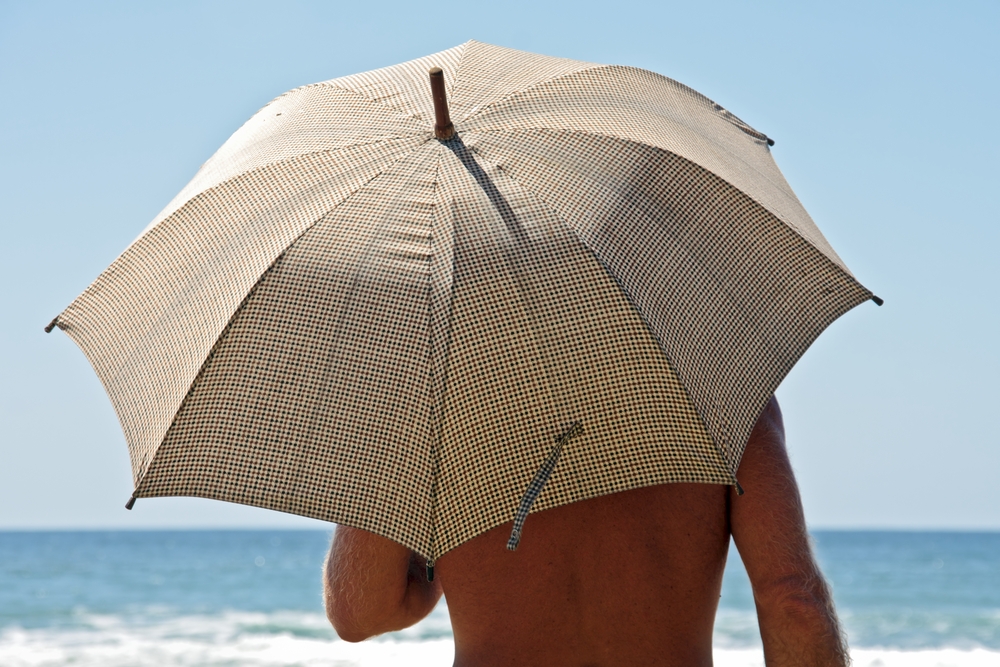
{"x": 332, "y": 526}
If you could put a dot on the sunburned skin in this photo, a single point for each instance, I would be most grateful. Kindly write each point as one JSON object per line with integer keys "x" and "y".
{"x": 631, "y": 578}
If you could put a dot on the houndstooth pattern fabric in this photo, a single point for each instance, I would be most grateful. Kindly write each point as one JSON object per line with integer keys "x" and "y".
{"x": 345, "y": 318}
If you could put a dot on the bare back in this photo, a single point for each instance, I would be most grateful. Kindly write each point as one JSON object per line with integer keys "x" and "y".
{"x": 612, "y": 580}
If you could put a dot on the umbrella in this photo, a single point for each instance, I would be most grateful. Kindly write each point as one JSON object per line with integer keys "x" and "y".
{"x": 428, "y": 315}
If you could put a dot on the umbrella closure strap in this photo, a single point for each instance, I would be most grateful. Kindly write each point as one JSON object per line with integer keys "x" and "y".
{"x": 538, "y": 483}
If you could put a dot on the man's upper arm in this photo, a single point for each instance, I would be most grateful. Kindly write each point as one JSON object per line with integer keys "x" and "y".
{"x": 374, "y": 585}
{"x": 797, "y": 620}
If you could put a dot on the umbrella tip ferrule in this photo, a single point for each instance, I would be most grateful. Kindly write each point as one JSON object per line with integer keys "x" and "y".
{"x": 130, "y": 503}
{"x": 430, "y": 570}
{"x": 53, "y": 324}
{"x": 878, "y": 301}
{"x": 739, "y": 489}
{"x": 443, "y": 127}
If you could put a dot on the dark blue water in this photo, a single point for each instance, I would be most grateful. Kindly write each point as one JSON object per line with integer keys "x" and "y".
{"x": 203, "y": 597}
{"x": 915, "y": 590}
{"x": 907, "y": 590}
{"x": 47, "y": 577}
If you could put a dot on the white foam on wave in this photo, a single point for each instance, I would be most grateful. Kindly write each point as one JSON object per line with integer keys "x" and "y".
{"x": 156, "y": 638}
{"x": 736, "y": 629}
{"x": 868, "y": 657}
{"x": 228, "y": 639}
{"x": 253, "y": 651}
{"x": 943, "y": 657}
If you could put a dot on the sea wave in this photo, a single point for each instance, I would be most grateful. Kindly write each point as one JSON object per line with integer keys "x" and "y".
{"x": 901, "y": 630}
{"x": 218, "y": 640}
{"x": 155, "y": 637}
{"x": 876, "y": 658}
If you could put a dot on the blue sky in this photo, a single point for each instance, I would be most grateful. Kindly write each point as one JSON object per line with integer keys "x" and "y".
{"x": 885, "y": 120}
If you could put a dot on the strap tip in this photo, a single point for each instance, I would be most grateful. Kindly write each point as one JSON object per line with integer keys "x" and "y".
{"x": 515, "y": 539}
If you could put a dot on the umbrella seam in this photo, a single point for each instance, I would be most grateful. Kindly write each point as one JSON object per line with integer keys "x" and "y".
{"x": 255, "y": 169}
{"x": 725, "y": 113}
{"x": 777, "y": 186}
{"x": 840, "y": 268}
{"x": 524, "y": 291}
{"x": 158, "y": 320}
{"x": 239, "y": 309}
{"x": 628, "y": 298}
{"x": 445, "y": 367}
{"x": 397, "y": 110}
{"x": 483, "y": 109}
{"x": 329, "y": 83}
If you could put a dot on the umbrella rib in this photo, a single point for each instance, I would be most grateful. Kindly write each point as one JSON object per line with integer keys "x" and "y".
{"x": 162, "y": 215}
{"x": 384, "y": 105}
{"x": 182, "y": 295}
{"x": 440, "y": 336}
{"x": 330, "y": 84}
{"x": 516, "y": 260}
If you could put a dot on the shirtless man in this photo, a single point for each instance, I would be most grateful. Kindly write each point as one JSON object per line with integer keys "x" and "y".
{"x": 631, "y": 578}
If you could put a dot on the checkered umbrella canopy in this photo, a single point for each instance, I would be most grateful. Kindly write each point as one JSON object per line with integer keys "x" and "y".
{"x": 595, "y": 285}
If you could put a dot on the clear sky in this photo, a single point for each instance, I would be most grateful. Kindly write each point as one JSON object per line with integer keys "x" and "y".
{"x": 885, "y": 116}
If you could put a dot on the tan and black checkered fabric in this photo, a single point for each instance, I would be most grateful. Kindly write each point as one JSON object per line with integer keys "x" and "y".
{"x": 345, "y": 318}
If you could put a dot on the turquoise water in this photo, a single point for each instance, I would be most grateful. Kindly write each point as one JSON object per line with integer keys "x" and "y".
{"x": 254, "y": 598}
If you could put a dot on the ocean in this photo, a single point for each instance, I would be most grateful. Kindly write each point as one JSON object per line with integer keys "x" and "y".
{"x": 234, "y": 598}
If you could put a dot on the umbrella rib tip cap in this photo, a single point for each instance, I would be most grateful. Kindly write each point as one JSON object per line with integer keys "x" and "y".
{"x": 443, "y": 127}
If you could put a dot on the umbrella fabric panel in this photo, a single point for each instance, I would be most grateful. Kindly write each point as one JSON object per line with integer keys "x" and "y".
{"x": 733, "y": 295}
{"x": 542, "y": 338}
{"x": 403, "y": 87}
{"x": 317, "y": 400}
{"x": 647, "y": 108}
{"x": 489, "y": 74}
{"x": 312, "y": 119}
{"x": 149, "y": 320}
